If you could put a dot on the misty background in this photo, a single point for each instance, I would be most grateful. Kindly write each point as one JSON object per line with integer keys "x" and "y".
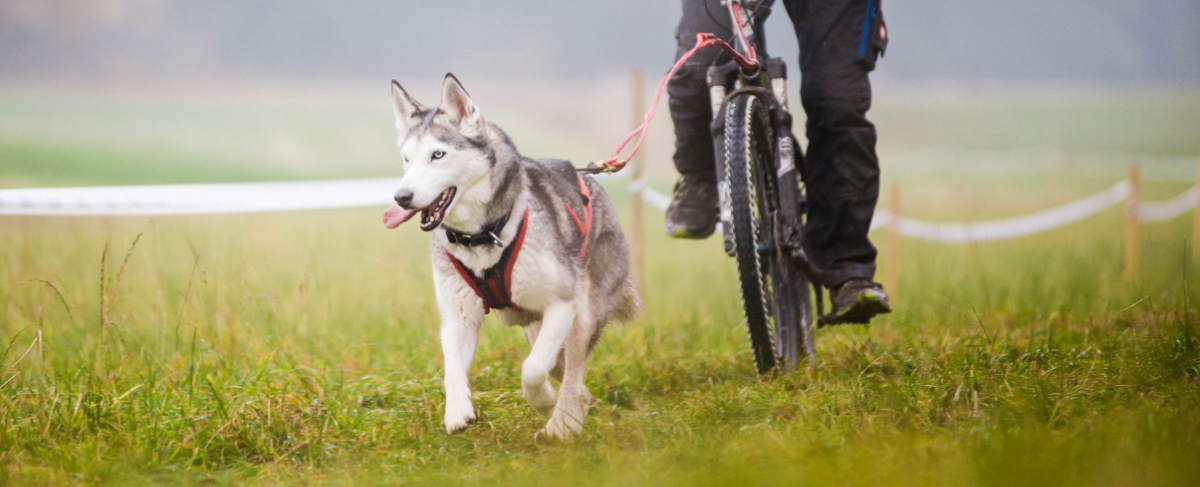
{"x": 1098, "y": 41}
{"x": 158, "y": 91}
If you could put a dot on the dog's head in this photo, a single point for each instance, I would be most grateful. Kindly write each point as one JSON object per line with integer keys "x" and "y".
{"x": 444, "y": 149}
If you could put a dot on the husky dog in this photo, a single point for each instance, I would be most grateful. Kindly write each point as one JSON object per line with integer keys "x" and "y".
{"x": 529, "y": 238}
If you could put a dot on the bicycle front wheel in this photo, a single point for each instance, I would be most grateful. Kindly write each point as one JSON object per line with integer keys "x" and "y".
{"x": 774, "y": 295}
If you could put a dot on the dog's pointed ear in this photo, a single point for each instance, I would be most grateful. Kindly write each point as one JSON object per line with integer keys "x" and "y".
{"x": 408, "y": 111}
{"x": 460, "y": 109}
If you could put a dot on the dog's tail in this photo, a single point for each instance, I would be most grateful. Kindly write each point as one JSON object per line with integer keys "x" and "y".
{"x": 628, "y": 304}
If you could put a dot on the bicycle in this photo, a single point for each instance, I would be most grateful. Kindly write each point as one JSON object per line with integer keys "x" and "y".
{"x": 762, "y": 202}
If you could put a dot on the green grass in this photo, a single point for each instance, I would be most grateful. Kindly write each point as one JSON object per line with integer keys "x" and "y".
{"x": 308, "y": 352}
{"x": 31, "y": 162}
{"x": 302, "y": 348}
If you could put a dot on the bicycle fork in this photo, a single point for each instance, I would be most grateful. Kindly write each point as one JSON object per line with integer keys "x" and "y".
{"x": 720, "y": 80}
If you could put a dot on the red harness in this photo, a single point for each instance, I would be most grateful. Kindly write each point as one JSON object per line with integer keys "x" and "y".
{"x": 494, "y": 287}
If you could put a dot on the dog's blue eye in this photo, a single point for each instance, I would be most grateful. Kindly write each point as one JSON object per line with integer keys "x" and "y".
{"x": 437, "y": 154}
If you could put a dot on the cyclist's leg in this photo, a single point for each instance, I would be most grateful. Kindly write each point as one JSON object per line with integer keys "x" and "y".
{"x": 688, "y": 90}
{"x": 839, "y": 43}
{"x": 692, "y": 213}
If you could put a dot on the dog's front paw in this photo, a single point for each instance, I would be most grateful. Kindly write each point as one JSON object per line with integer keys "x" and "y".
{"x": 459, "y": 416}
{"x": 542, "y": 397}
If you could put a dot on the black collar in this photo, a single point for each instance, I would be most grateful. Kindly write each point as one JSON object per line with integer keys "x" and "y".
{"x": 489, "y": 235}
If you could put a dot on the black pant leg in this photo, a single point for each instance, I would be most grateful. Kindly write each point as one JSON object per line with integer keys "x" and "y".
{"x": 688, "y": 90}
{"x": 839, "y": 43}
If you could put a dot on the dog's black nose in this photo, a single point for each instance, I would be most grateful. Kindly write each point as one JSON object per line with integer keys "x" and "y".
{"x": 404, "y": 197}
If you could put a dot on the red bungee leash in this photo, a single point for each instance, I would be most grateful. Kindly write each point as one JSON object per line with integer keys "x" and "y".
{"x": 615, "y": 162}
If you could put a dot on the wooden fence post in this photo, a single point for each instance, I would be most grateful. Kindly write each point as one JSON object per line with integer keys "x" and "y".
{"x": 892, "y": 250}
{"x": 1131, "y": 226}
{"x": 1196, "y": 217}
{"x": 636, "y": 223}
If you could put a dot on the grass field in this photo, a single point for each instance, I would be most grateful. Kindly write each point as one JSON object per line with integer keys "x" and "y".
{"x": 301, "y": 347}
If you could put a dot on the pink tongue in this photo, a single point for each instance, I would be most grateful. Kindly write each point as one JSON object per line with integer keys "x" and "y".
{"x": 394, "y": 216}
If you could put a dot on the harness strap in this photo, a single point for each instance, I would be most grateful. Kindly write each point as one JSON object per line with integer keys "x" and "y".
{"x": 467, "y": 276}
{"x": 585, "y": 227}
{"x": 494, "y": 286}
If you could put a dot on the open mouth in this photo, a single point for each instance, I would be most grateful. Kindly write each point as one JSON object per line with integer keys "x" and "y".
{"x": 433, "y": 214}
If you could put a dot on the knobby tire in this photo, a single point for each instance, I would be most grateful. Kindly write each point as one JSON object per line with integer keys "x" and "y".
{"x": 745, "y": 134}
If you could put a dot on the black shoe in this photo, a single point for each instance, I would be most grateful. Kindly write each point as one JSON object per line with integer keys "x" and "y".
{"x": 693, "y": 209}
{"x": 856, "y": 301}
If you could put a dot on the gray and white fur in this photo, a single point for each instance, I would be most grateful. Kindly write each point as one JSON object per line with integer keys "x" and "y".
{"x": 565, "y": 302}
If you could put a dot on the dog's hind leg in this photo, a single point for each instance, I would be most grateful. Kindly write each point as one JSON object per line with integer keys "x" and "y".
{"x": 573, "y": 396}
{"x": 557, "y": 321}
{"x": 531, "y": 333}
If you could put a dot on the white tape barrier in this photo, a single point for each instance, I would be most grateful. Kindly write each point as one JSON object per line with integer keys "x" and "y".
{"x": 191, "y": 199}
{"x": 184, "y": 199}
{"x": 882, "y": 219}
{"x": 1013, "y": 227}
{"x": 1010, "y": 227}
{"x": 1166, "y": 210}
{"x": 650, "y": 196}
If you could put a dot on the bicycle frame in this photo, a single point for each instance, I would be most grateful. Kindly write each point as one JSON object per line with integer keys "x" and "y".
{"x": 768, "y": 84}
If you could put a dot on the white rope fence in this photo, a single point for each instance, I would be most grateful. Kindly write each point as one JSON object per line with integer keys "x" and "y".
{"x": 1166, "y": 210}
{"x": 1009, "y": 227}
{"x": 192, "y": 199}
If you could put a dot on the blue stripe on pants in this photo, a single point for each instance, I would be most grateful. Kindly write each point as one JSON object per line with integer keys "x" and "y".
{"x": 866, "y": 35}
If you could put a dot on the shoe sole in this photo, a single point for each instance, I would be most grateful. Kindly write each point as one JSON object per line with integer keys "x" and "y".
{"x": 684, "y": 233}
{"x": 867, "y": 306}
